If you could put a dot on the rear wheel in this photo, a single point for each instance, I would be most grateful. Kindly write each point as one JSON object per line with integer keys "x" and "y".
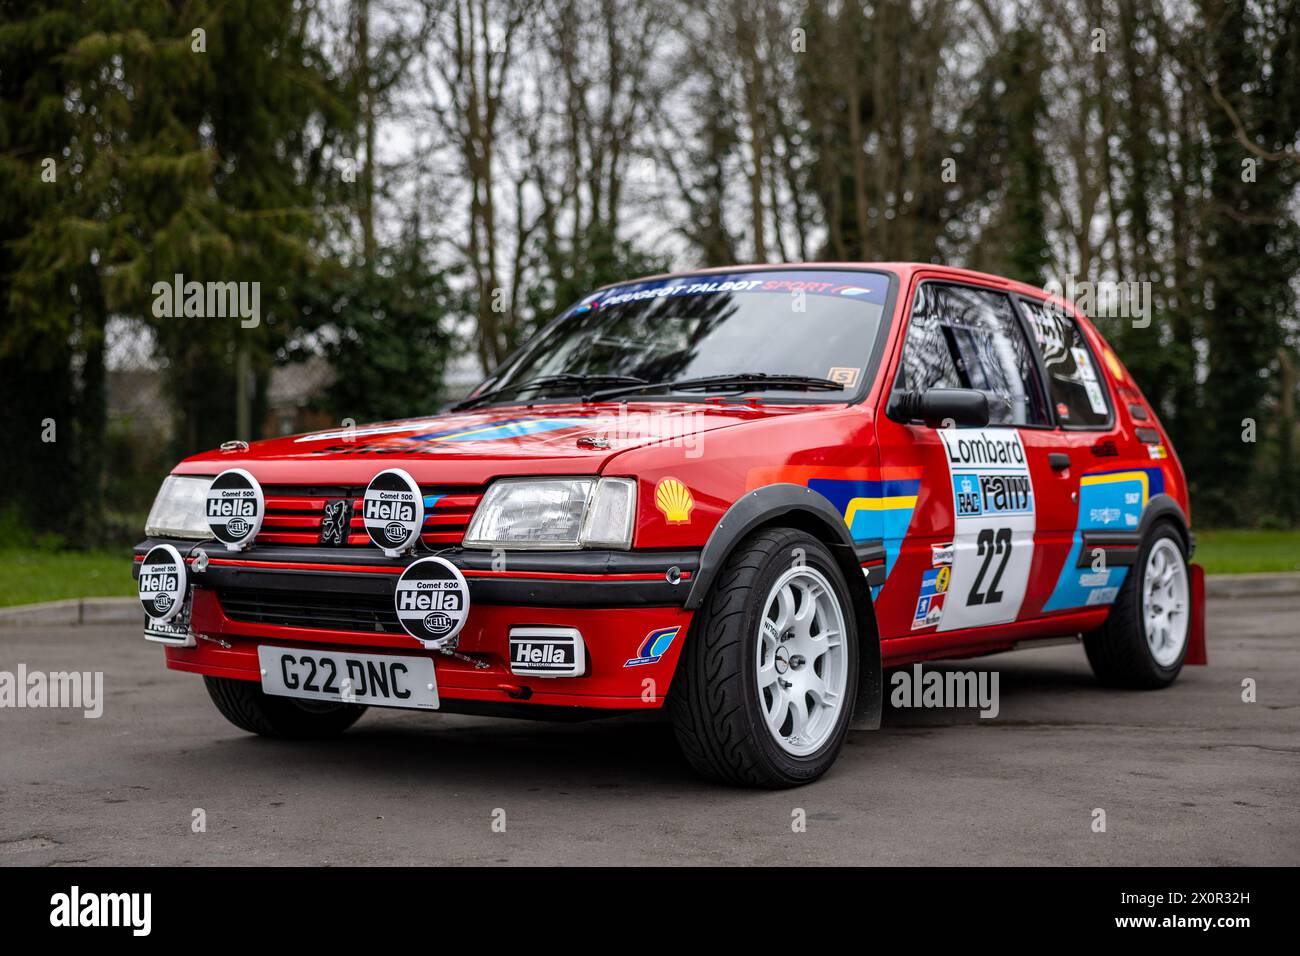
{"x": 764, "y": 688}
{"x": 244, "y": 704}
{"x": 1144, "y": 640}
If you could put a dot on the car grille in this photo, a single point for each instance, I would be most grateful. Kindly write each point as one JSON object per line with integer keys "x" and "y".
{"x": 293, "y": 513}
{"x": 316, "y": 609}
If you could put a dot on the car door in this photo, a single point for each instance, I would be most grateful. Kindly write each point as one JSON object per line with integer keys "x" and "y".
{"x": 970, "y": 552}
{"x": 1107, "y": 493}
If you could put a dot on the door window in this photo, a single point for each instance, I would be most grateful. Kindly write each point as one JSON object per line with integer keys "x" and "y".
{"x": 1075, "y": 383}
{"x": 962, "y": 337}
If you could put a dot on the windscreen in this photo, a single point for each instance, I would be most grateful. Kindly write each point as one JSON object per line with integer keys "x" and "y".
{"x": 798, "y": 322}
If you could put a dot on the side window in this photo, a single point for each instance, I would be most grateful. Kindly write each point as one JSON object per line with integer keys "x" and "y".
{"x": 1076, "y": 387}
{"x": 960, "y": 337}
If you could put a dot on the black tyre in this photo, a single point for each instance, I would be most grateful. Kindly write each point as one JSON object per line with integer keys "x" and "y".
{"x": 243, "y": 703}
{"x": 765, "y": 685}
{"x": 1144, "y": 640}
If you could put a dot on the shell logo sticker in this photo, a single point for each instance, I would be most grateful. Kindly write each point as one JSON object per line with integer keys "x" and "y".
{"x": 674, "y": 499}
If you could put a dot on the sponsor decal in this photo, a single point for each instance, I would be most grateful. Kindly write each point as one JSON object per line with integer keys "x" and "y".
{"x": 175, "y": 631}
{"x": 1103, "y": 595}
{"x": 807, "y": 282}
{"x": 654, "y": 646}
{"x": 1091, "y": 383}
{"x": 432, "y": 601}
{"x": 929, "y": 602}
{"x": 547, "y": 652}
{"x": 940, "y": 555}
{"x": 161, "y": 585}
{"x": 235, "y": 508}
{"x": 994, "y": 519}
{"x": 492, "y": 431}
{"x": 848, "y": 377}
{"x": 354, "y": 433}
{"x": 500, "y": 431}
{"x": 979, "y": 494}
{"x": 877, "y": 503}
{"x": 1157, "y": 451}
{"x": 983, "y": 446}
{"x": 674, "y": 499}
{"x": 336, "y": 522}
{"x": 392, "y": 510}
{"x": 1107, "y": 500}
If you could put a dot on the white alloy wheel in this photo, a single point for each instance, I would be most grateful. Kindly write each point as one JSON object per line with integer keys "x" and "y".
{"x": 1165, "y": 602}
{"x": 802, "y": 661}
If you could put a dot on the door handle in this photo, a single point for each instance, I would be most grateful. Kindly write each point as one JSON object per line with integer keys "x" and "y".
{"x": 1059, "y": 460}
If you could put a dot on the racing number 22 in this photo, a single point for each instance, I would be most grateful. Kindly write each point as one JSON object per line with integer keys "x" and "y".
{"x": 989, "y": 544}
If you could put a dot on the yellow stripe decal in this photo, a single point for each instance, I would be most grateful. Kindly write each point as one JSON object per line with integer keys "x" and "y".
{"x": 877, "y": 504}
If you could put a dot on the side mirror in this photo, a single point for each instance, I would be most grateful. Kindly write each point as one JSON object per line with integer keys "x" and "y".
{"x": 937, "y": 407}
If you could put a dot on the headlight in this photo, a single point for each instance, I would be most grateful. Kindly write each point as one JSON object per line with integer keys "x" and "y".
{"x": 179, "y": 511}
{"x": 555, "y": 513}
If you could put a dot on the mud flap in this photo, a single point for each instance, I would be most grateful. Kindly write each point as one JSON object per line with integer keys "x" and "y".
{"x": 869, "y": 699}
{"x": 1196, "y": 653}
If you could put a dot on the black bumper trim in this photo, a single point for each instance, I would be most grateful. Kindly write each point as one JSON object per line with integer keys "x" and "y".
{"x": 1118, "y": 547}
{"x": 604, "y": 589}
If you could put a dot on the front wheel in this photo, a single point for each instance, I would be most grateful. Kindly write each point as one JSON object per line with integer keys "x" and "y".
{"x": 245, "y": 705}
{"x": 765, "y": 684}
{"x": 1144, "y": 640}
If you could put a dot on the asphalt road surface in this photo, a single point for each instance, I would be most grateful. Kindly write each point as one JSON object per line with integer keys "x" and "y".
{"x": 1187, "y": 775}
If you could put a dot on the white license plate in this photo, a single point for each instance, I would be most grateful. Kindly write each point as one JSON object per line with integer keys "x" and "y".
{"x": 379, "y": 680}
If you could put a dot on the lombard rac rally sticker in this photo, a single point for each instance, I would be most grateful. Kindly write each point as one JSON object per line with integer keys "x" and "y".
{"x": 235, "y": 508}
{"x": 994, "y": 519}
{"x": 432, "y": 601}
{"x": 162, "y": 582}
{"x": 393, "y": 511}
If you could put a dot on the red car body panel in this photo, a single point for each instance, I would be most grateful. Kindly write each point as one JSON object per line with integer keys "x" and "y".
{"x": 721, "y": 450}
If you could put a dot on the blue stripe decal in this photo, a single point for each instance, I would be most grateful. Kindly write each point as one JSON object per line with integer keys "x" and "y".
{"x": 516, "y": 428}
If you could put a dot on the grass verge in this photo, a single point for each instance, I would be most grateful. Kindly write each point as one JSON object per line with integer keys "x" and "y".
{"x": 29, "y": 577}
{"x": 1244, "y": 552}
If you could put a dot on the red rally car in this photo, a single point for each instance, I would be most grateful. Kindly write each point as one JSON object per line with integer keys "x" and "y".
{"x": 738, "y": 493}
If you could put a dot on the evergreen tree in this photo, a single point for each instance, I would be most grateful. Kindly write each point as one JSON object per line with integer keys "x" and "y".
{"x": 1252, "y": 241}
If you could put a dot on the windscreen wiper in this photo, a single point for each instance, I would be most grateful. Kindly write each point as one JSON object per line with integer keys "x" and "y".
{"x": 550, "y": 381}
{"x": 737, "y": 381}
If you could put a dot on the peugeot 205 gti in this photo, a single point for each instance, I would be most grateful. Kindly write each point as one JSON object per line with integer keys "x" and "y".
{"x": 738, "y": 494}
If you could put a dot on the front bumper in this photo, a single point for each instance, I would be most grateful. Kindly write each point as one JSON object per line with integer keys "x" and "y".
{"x": 342, "y": 598}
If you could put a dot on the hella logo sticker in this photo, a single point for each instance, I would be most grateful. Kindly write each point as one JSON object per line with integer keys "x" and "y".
{"x": 393, "y": 511}
{"x": 547, "y": 652}
{"x": 162, "y": 583}
{"x": 432, "y": 602}
{"x": 235, "y": 508}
